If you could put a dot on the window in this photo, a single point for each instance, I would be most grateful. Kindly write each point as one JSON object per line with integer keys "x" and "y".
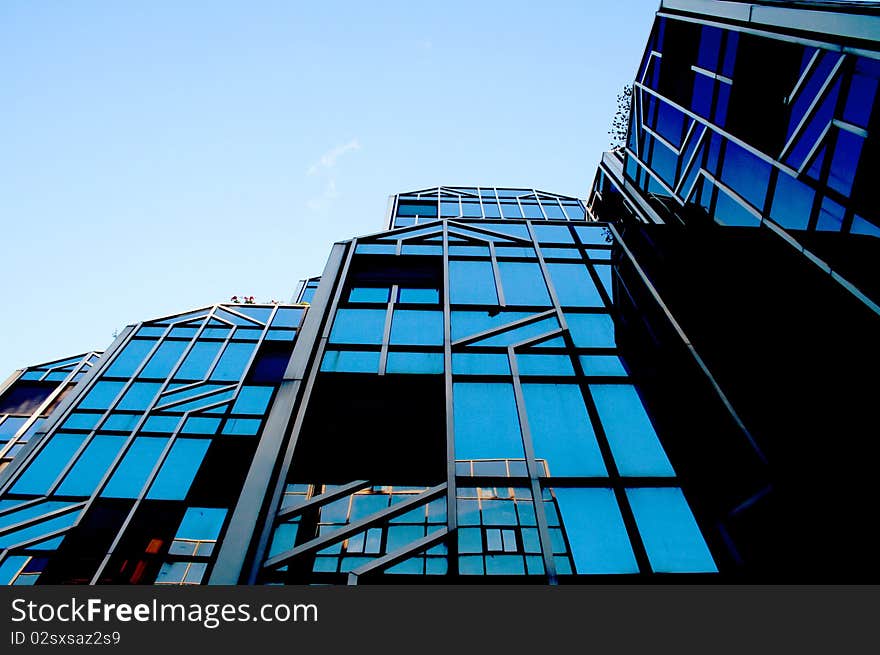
{"x": 472, "y": 282}
{"x": 574, "y": 286}
{"x": 48, "y": 464}
{"x": 233, "y": 361}
{"x": 669, "y": 531}
{"x": 92, "y": 465}
{"x": 591, "y": 521}
{"x": 486, "y": 421}
{"x": 358, "y": 326}
{"x": 561, "y": 430}
{"x": 179, "y": 469}
{"x": 634, "y": 444}
{"x": 523, "y": 284}
{"x": 416, "y": 327}
{"x": 133, "y": 471}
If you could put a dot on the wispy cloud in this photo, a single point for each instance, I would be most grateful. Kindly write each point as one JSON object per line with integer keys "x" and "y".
{"x": 322, "y": 201}
{"x": 328, "y": 159}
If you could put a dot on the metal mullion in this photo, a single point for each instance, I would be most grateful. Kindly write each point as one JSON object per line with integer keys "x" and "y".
{"x": 402, "y": 553}
{"x": 311, "y": 368}
{"x": 690, "y": 162}
{"x": 451, "y": 487}
{"x": 813, "y": 106}
{"x": 532, "y": 469}
{"x": 528, "y": 320}
{"x": 386, "y": 331}
{"x": 554, "y": 299}
{"x": 199, "y": 396}
{"x": 34, "y": 520}
{"x": 800, "y": 81}
{"x": 496, "y": 273}
{"x": 23, "y": 505}
{"x": 487, "y": 232}
{"x": 717, "y": 130}
{"x": 350, "y": 529}
{"x": 323, "y": 499}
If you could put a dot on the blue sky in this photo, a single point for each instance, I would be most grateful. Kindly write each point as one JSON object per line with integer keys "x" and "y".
{"x": 158, "y": 156}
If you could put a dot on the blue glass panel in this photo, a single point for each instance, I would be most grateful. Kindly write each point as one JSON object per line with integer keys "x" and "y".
{"x": 350, "y": 361}
{"x": 183, "y": 332}
{"x": 663, "y": 162}
{"x": 792, "y": 203}
{"x": 233, "y": 361}
{"x": 139, "y": 396}
{"x": 544, "y": 364}
{"x": 179, "y": 469}
{"x": 165, "y": 424}
{"x": 376, "y": 248}
{"x": 130, "y": 358}
{"x": 745, "y": 174}
{"x": 201, "y": 523}
{"x": 591, "y": 330}
{"x": 92, "y": 465}
{"x": 670, "y": 124}
{"x": 368, "y": 294}
{"x": 201, "y": 425}
{"x": 574, "y": 286}
{"x": 710, "y": 46}
{"x": 133, "y": 471}
{"x": 475, "y": 251}
{"x": 561, "y": 253}
{"x": 280, "y": 335}
{"x": 402, "y": 362}
{"x": 480, "y": 364}
{"x": 863, "y": 88}
{"x": 42, "y": 471}
{"x": 575, "y": 211}
{"x": 490, "y": 209}
{"x": 670, "y": 533}
{"x": 198, "y": 360}
{"x": 861, "y": 226}
{"x": 561, "y": 430}
{"x": 523, "y": 284}
{"x": 420, "y": 296}
{"x": 252, "y": 400}
{"x": 81, "y": 421}
{"x": 593, "y": 236}
{"x": 242, "y": 426}
{"x": 552, "y": 209}
{"x": 595, "y": 529}
{"x": 10, "y": 568}
{"x": 101, "y": 395}
{"x": 471, "y": 209}
{"x": 486, "y": 422}
{"x": 553, "y": 233}
{"x": 845, "y": 161}
{"x": 511, "y": 229}
{"x": 472, "y": 283}
{"x": 164, "y": 359}
{"x": 830, "y": 216}
{"x": 602, "y": 365}
{"x": 287, "y": 317}
{"x": 634, "y": 444}
{"x": 729, "y": 212}
{"x": 532, "y": 210}
{"x": 510, "y": 210}
{"x": 358, "y": 326}
{"x": 419, "y": 249}
{"x": 11, "y": 425}
{"x": 121, "y": 422}
{"x": 417, "y": 327}
{"x": 449, "y": 209}
{"x": 730, "y": 53}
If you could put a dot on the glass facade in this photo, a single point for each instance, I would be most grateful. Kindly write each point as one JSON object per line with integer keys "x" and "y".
{"x": 546, "y": 464}
{"x": 30, "y": 395}
{"x": 133, "y": 480}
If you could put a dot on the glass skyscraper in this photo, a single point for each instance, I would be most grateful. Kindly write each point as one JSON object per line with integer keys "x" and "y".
{"x": 663, "y": 382}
